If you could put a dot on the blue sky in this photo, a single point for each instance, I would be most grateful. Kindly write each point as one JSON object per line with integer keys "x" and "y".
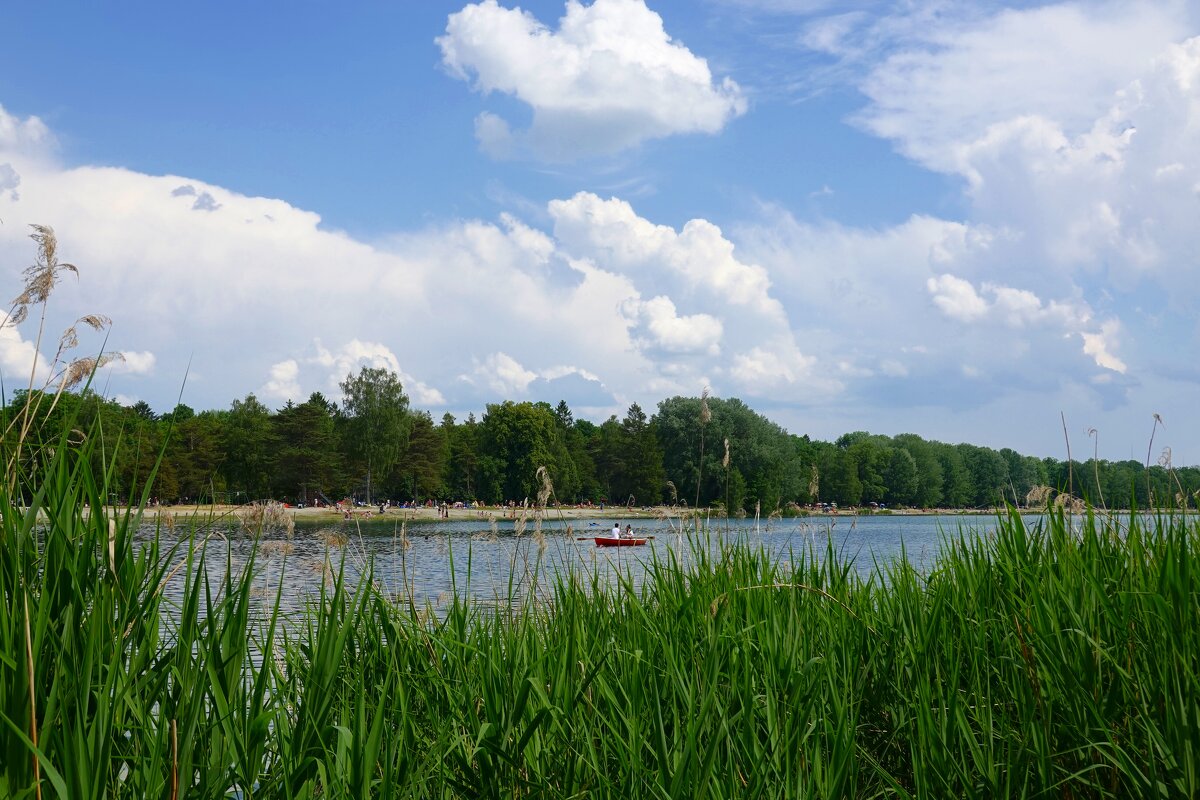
{"x": 953, "y": 219}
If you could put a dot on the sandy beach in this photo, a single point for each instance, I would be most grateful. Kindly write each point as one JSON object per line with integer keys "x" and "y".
{"x": 421, "y": 514}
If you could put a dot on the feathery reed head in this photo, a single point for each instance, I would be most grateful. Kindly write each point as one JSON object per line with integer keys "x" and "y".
{"x": 42, "y": 276}
{"x": 1037, "y": 495}
{"x": 546, "y": 487}
{"x": 333, "y": 538}
{"x": 79, "y": 370}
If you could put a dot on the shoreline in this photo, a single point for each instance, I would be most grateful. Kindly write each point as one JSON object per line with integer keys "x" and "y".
{"x": 502, "y": 513}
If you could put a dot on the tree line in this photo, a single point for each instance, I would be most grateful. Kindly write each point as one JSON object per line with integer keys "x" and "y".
{"x": 692, "y": 451}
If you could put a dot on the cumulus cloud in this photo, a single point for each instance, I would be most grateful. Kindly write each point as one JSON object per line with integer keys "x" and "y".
{"x": 564, "y": 370}
{"x": 698, "y": 257}
{"x": 948, "y": 75}
{"x": 1099, "y": 345}
{"x": 666, "y": 329}
{"x": 23, "y": 135}
{"x": 1020, "y": 308}
{"x": 776, "y": 365}
{"x": 502, "y": 374}
{"x": 281, "y": 381}
{"x": 323, "y": 370}
{"x": 858, "y": 301}
{"x": 1017, "y": 308}
{"x": 134, "y": 362}
{"x": 355, "y": 354}
{"x": 17, "y": 359}
{"x": 956, "y": 298}
{"x": 1072, "y": 125}
{"x": 607, "y": 79}
{"x": 1072, "y": 129}
{"x": 733, "y": 310}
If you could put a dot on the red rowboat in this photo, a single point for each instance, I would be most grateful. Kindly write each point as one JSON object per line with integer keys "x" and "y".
{"x": 608, "y": 541}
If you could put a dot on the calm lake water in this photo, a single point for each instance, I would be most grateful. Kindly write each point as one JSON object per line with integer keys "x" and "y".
{"x": 492, "y": 562}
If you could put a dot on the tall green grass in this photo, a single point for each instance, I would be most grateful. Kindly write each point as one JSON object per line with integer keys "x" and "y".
{"x": 1059, "y": 660}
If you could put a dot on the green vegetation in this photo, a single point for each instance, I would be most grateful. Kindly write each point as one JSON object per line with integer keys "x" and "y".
{"x": 377, "y": 419}
{"x": 1062, "y": 660}
{"x": 317, "y": 448}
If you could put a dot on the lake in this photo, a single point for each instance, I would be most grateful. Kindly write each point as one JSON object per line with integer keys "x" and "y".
{"x": 491, "y": 562}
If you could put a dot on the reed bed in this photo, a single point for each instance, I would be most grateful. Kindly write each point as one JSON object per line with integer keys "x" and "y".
{"x": 1057, "y": 660}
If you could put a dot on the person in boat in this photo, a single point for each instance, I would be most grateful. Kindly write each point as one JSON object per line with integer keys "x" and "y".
{"x": 628, "y": 531}
{"x": 616, "y": 531}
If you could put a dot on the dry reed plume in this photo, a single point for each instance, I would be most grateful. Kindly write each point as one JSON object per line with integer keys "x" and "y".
{"x": 263, "y": 516}
{"x": 61, "y": 372}
{"x": 705, "y": 418}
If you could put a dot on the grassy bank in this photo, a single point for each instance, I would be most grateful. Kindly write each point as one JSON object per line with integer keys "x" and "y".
{"x": 1062, "y": 660}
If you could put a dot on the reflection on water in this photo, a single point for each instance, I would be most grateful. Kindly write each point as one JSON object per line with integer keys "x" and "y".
{"x": 502, "y": 561}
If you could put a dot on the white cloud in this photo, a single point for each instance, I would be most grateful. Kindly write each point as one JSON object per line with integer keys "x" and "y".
{"x": 1019, "y": 308}
{"x": 665, "y": 329}
{"x": 502, "y": 374}
{"x": 281, "y": 381}
{"x": 607, "y": 79}
{"x": 17, "y": 359}
{"x": 956, "y": 298}
{"x": 955, "y": 73}
{"x": 1073, "y": 125}
{"x": 699, "y": 257}
{"x": 735, "y": 311}
{"x": 23, "y": 135}
{"x": 562, "y": 371}
{"x": 1016, "y": 308}
{"x": 321, "y": 369}
{"x": 356, "y": 354}
{"x": 134, "y": 362}
{"x": 859, "y": 303}
{"x": 1099, "y": 346}
{"x": 777, "y": 365}
{"x": 1073, "y": 128}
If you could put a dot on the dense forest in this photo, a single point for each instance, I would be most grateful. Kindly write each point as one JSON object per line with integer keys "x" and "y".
{"x": 692, "y": 451}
